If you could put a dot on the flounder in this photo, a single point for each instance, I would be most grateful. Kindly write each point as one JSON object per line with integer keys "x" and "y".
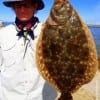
{"x": 66, "y": 54}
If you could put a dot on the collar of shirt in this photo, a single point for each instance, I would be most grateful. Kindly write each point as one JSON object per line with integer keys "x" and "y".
{"x": 29, "y": 36}
{"x": 10, "y": 39}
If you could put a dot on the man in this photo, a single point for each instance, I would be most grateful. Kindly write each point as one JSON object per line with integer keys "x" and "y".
{"x": 19, "y": 77}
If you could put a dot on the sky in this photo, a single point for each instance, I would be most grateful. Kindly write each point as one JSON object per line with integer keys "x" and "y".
{"x": 89, "y": 11}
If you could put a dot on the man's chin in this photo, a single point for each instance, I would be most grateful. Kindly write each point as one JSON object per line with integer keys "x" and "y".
{"x": 24, "y": 19}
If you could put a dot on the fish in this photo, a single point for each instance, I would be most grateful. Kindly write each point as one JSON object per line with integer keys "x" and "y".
{"x": 66, "y": 54}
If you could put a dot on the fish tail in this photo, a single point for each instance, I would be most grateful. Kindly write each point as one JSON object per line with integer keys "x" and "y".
{"x": 64, "y": 96}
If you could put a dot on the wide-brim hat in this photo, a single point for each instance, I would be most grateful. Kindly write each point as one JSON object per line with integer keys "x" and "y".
{"x": 9, "y": 3}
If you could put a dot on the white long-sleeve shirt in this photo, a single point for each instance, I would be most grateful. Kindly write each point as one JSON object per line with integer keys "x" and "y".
{"x": 19, "y": 77}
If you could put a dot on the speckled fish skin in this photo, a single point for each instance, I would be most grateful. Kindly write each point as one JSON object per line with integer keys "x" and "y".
{"x": 66, "y": 52}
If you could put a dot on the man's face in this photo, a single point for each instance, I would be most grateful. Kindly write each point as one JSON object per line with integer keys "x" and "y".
{"x": 24, "y": 10}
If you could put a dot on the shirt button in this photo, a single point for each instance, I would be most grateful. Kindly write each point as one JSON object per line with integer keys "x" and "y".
{"x": 24, "y": 69}
{"x": 22, "y": 44}
{"x": 26, "y": 81}
{"x": 27, "y": 93}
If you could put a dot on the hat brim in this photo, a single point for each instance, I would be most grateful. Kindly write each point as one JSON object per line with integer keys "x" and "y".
{"x": 11, "y": 3}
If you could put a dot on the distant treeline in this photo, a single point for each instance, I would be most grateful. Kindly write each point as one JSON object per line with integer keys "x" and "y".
{"x": 7, "y": 23}
{"x": 92, "y": 25}
{"x": 89, "y": 25}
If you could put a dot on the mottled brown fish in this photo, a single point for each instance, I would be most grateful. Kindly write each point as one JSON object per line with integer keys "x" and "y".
{"x": 66, "y": 53}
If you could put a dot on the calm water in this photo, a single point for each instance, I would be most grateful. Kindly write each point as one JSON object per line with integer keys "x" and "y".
{"x": 95, "y": 32}
{"x": 96, "y": 36}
